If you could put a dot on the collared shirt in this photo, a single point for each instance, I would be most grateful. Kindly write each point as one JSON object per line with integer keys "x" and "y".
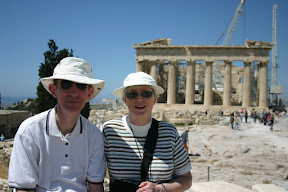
{"x": 45, "y": 160}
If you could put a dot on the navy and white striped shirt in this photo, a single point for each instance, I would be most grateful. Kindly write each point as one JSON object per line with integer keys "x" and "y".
{"x": 124, "y": 156}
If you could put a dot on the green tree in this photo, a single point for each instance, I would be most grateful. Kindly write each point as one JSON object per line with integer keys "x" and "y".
{"x": 52, "y": 57}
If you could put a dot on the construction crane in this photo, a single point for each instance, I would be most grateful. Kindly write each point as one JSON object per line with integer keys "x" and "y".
{"x": 274, "y": 88}
{"x": 217, "y": 79}
{"x": 274, "y": 49}
{"x": 233, "y": 23}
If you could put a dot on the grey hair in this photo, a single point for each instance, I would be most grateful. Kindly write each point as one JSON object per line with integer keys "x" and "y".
{"x": 125, "y": 91}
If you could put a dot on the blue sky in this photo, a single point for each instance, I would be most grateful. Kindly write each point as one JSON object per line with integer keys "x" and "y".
{"x": 103, "y": 33}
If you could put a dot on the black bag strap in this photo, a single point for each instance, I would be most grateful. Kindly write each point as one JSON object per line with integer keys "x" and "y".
{"x": 149, "y": 147}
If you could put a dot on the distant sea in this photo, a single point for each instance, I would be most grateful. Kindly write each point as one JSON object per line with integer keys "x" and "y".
{"x": 7, "y": 101}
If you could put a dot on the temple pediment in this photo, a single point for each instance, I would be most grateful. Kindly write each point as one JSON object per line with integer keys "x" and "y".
{"x": 157, "y": 42}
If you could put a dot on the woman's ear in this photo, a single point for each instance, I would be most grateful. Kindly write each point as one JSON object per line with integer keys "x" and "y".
{"x": 155, "y": 101}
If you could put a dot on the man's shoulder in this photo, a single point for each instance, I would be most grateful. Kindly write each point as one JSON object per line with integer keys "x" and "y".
{"x": 88, "y": 125}
{"x": 33, "y": 121}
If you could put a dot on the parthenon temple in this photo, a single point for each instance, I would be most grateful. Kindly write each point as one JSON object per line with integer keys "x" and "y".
{"x": 205, "y": 74}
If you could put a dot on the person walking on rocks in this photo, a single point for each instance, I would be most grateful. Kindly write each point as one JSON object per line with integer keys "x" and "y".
{"x": 231, "y": 120}
{"x": 246, "y": 116}
{"x": 59, "y": 149}
{"x": 265, "y": 118}
{"x": 165, "y": 164}
{"x": 185, "y": 139}
{"x": 236, "y": 119}
{"x": 241, "y": 115}
{"x": 271, "y": 122}
{"x": 255, "y": 116}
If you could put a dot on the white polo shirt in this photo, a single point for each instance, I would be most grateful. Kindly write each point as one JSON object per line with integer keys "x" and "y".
{"x": 45, "y": 160}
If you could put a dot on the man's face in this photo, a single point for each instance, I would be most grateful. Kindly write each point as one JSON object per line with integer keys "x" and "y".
{"x": 70, "y": 97}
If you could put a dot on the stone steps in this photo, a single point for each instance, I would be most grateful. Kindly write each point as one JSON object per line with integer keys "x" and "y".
{"x": 268, "y": 188}
{"x": 222, "y": 186}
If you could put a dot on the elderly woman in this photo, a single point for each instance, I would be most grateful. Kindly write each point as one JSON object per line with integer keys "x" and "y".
{"x": 165, "y": 165}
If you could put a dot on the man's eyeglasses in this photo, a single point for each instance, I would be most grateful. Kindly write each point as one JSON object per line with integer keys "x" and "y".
{"x": 134, "y": 94}
{"x": 65, "y": 84}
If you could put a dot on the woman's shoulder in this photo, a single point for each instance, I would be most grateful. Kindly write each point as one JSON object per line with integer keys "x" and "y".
{"x": 165, "y": 123}
{"x": 165, "y": 126}
{"x": 114, "y": 122}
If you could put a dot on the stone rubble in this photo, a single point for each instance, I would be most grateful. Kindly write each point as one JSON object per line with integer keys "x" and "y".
{"x": 246, "y": 159}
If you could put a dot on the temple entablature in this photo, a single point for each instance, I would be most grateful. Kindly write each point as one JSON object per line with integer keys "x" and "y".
{"x": 165, "y": 63}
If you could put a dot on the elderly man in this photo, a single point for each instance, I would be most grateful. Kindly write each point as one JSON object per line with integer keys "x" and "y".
{"x": 60, "y": 150}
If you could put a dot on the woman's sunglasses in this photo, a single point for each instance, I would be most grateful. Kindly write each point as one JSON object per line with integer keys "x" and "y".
{"x": 134, "y": 94}
{"x": 65, "y": 84}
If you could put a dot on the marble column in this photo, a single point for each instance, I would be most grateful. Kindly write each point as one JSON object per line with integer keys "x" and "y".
{"x": 246, "y": 100}
{"x": 190, "y": 83}
{"x": 171, "y": 90}
{"x": 208, "y": 94}
{"x": 139, "y": 66}
{"x": 263, "y": 85}
{"x": 153, "y": 71}
{"x": 227, "y": 84}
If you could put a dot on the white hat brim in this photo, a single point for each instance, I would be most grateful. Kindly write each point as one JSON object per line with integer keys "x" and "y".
{"x": 119, "y": 92}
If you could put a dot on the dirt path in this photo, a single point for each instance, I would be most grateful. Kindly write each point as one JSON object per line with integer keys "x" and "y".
{"x": 247, "y": 156}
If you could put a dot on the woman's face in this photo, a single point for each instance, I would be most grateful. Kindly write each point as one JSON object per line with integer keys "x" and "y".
{"x": 140, "y": 101}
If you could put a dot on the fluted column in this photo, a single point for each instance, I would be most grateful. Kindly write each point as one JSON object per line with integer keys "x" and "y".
{"x": 263, "y": 85}
{"x": 208, "y": 94}
{"x": 153, "y": 71}
{"x": 246, "y": 100}
{"x": 171, "y": 90}
{"x": 139, "y": 66}
{"x": 227, "y": 84}
{"x": 190, "y": 83}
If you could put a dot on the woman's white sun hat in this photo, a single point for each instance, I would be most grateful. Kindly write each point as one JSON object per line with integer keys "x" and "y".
{"x": 76, "y": 70}
{"x": 138, "y": 78}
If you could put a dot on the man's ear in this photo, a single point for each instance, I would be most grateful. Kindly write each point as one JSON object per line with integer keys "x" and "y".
{"x": 91, "y": 91}
{"x": 52, "y": 89}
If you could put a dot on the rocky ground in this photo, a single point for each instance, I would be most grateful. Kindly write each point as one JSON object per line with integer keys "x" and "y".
{"x": 5, "y": 152}
{"x": 247, "y": 156}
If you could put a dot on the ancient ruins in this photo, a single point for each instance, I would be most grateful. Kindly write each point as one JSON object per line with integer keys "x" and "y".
{"x": 205, "y": 74}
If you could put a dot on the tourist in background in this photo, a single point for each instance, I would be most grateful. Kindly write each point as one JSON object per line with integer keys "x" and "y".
{"x": 2, "y": 137}
{"x": 255, "y": 116}
{"x": 59, "y": 149}
{"x": 221, "y": 112}
{"x": 241, "y": 115}
{"x": 261, "y": 118}
{"x": 265, "y": 117}
{"x": 185, "y": 138}
{"x": 236, "y": 119}
{"x": 231, "y": 121}
{"x": 169, "y": 165}
{"x": 271, "y": 122}
{"x": 246, "y": 116}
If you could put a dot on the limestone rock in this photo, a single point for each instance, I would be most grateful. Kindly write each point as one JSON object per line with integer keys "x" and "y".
{"x": 267, "y": 188}
{"x": 217, "y": 186}
{"x": 283, "y": 184}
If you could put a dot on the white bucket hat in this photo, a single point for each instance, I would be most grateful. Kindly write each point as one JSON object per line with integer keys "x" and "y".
{"x": 76, "y": 70}
{"x": 139, "y": 78}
